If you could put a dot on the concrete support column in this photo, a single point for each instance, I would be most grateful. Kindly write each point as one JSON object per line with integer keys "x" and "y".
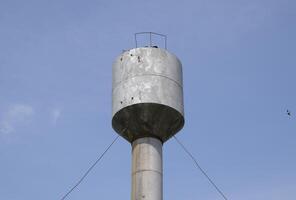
{"x": 147, "y": 169}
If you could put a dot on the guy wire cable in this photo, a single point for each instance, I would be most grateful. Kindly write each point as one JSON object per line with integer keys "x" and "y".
{"x": 89, "y": 169}
{"x": 199, "y": 167}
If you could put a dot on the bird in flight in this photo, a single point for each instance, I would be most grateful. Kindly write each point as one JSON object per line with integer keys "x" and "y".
{"x": 288, "y": 113}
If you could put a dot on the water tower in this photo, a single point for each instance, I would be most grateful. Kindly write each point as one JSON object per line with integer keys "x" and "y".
{"x": 147, "y": 110}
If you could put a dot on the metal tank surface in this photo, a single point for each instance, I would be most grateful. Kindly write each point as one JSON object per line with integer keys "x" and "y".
{"x": 147, "y": 94}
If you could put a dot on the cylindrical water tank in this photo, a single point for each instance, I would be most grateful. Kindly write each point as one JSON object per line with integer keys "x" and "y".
{"x": 147, "y": 94}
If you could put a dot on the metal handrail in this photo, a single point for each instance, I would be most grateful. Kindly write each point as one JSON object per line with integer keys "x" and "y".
{"x": 150, "y": 36}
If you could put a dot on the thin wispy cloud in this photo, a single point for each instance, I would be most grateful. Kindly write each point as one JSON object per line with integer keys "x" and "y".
{"x": 6, "y": 127}
{"x": 56, "y": 113}
{"x": 17, "y": 114}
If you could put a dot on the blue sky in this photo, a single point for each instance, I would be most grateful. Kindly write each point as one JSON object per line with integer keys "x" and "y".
{"x": 55, "y": 96}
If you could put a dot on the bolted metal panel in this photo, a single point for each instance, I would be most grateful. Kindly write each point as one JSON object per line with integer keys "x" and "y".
{"x": 147, "y": 94}
{"x": 147, "y": 169}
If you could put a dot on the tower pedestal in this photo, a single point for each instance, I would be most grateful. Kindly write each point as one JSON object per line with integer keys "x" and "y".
{"x": 147, "y": 169}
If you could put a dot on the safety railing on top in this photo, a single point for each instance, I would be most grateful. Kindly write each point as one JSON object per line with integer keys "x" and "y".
{"x": 150, "y": 38}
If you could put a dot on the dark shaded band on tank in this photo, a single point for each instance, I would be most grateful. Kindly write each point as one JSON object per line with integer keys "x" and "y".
{"x": 147, "y": 120}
